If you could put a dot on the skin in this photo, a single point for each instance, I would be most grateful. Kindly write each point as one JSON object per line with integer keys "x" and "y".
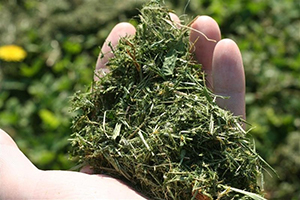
{"x": 20, "y": 179}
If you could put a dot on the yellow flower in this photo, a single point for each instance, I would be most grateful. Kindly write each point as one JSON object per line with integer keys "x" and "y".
{"x": 12, "y": 53}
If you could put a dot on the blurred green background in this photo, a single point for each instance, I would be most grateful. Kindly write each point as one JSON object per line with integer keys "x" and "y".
{"x": 63, "y": 38}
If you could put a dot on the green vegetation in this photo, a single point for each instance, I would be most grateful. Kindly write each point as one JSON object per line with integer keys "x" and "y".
{"x": 63, "y": 38}
{"x": 153, "y": 122}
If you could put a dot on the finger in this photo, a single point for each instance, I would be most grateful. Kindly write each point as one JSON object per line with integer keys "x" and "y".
{"x": 228, "y": 77}
{"x": 11, "y": 156}
{"x": 5, "y": 139}
{"x": 203, "y": 47}
{"x": 15, "y": 170}
{"x": 120, "y": 30}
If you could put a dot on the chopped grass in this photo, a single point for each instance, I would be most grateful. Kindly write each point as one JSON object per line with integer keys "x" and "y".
{"x": 152, "y": 121}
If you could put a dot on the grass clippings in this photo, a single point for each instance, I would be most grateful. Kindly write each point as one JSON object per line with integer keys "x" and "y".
{"x": 152, "y": 121}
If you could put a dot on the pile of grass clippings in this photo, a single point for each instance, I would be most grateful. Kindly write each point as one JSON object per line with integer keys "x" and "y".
{"x": 152, "y": 121}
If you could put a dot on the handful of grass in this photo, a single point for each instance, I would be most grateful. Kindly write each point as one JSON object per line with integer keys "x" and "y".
{"x": 152, "y": 122}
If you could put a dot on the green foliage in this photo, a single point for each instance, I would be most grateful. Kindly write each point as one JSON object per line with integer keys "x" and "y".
{"x": 267, "y": 33}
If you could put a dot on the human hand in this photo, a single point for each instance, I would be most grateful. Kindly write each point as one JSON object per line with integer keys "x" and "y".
{"x": 222, "y": 63}
{"x": 221, "y": 60}
{"x": 20, "y": 179}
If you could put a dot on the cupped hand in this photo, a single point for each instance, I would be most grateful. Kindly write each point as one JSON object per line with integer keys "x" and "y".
{"x": 221, "y": 61}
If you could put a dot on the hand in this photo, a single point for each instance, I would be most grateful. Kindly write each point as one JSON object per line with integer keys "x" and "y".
{"x": 221, "y": 60}
{"x": 20, "y": 179}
